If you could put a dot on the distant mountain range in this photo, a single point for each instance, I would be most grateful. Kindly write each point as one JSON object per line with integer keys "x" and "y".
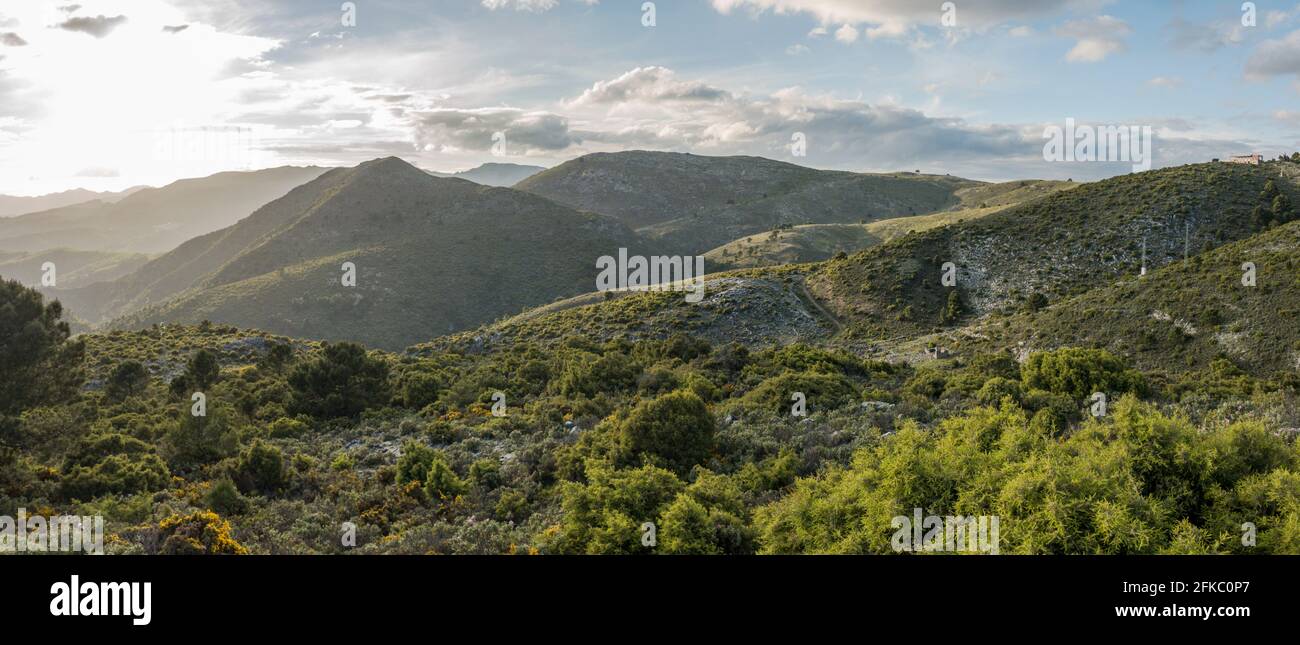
{"x": 10, "y": 206}
{"x": 503, "y": 175}
{"x": 153, "y": 220}
{"x": 436, "y": 256}
{"x": 431, "y": 256}
{"x": 690, "y": 203}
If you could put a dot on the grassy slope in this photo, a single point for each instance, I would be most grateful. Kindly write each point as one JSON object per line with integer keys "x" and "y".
{"x": 1064, "y": 244}
{"x": 817, "y": 242}
{"x": 767, "y": 308}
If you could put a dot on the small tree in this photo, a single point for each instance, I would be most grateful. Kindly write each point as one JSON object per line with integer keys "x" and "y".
{"x": 225, "y": 499}
{"x": 203, "y": 370}
{"x": 261, "y": 468}
{"x": 442, "y": 483}
{"x": 128, "y": 379}
{"x": 952, "y": 310}
{"x": 341, "y": 382}
{"x": 1282, "y": 208}
{"x": 414, "y": 464}
{"x": 38, "y": 364}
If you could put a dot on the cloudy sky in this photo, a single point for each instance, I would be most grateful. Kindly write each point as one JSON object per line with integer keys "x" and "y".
{"x": 106, "y": 94}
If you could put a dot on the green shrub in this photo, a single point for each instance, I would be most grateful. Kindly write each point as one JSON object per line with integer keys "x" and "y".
{"x": 674, "y": 431}
{"x": 224, "y": 498}
{"x": 441, "y": 482}
{"x": 341, "y": 382}
{"x": 1078, "y": 373}
{"x": 128, "y": 379}
{"x": 260, "y": 468}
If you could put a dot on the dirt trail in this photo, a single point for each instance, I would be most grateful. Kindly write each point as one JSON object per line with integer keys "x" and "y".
{"x": 807, "y": 297}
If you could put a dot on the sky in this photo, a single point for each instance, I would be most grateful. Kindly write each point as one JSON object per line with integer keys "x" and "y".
{"x": 108, "y": 94}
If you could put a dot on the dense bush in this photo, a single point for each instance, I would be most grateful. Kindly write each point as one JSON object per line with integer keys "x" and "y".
{"x": 1079, "y": 373}
{"x": 127, "y": 380}
{"x": 342, "y": 382}
{"x": 674, "y": 431}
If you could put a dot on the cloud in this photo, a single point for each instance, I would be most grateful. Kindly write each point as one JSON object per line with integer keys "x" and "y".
{"x": 11, "y": 39}
{"x": 895, "y": 18}
{"x": 98, "y": 26}
{"x": 1287, "y": 117}
{"x": 534, "y": 6}
{"x": 797, "y": 49}
{"x": 1096, "y": 38}
{"x": 175, "y": 29}
{"x": 848, "y": 34}
{"x": 452, "y": 129}
{"x": 1275, "y": 58}
{"x": 1278, "y": 18}
{"x": 840, "y": 132}
{"x": 652, "y": 84}
{"x": 1207, "y": 38}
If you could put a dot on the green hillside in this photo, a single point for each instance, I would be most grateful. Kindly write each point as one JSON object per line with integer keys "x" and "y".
{"x": 756, "y": 309}
{"x": 1182, "y": 317}
{"x": 688, "y": 204}
{"x": 1044, "y": 250}
{"x": 433, "y": 256}
{"x": 73, "y": 268}
{"x": 816, "y": 242}
{"x": 1033, "y": 254}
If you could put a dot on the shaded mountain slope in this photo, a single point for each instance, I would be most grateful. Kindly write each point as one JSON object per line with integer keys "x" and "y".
{"x": 432, "y": 256}
{"x": 688, "y": 204}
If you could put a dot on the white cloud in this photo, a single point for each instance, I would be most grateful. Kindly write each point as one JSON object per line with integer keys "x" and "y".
{"x": 1096, "y": 38}
{"x": 847, "y": 34}
{"x": 895, "y": 18}
{"x": 797, "y": 49}
{"x": 651, "y": 84}
{"x": 534, "y": 6}
{"x": 1166, "y": 82}
{"x": 1275, "y": 58}
{"x": 1274, "y": 19}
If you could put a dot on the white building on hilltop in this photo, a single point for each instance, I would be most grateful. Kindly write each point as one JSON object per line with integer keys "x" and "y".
{"x": 1253, "y": 160}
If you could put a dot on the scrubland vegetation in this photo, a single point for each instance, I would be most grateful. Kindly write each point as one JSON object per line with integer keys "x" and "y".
{"x": 597, "y": 439}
